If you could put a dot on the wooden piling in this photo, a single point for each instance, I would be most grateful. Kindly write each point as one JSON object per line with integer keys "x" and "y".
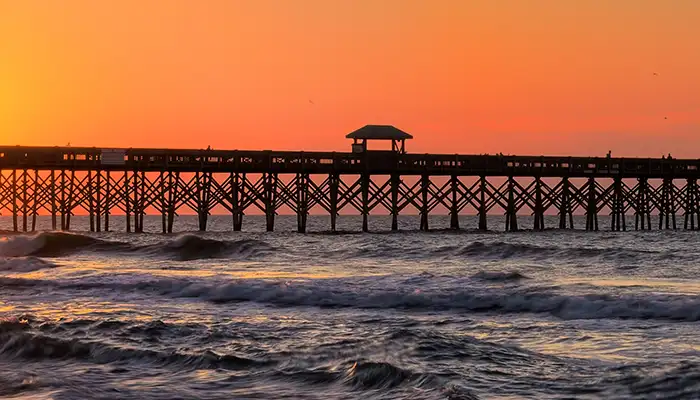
{"x": 98, "y": 202}
{"x": 592, "y": 206}
{"x": 91, "y": 198}
{"x": 511, "y": 209}
{"x": 35, "y": 198}
{"x": 127, "y": 201}
{"x": 482, "y": 204}
{"x": 395, "y": 183}
{"x": 270, "y": 196}
{"x": 302, "y": 201}
{"x": 333, "y": 183}
{"x": 237, "y": 206}
{"x": 108, "y": 199}
{"x": 425, "y": 184}
{"x": 25, "y": 201}
{"x": 454, "y": 204}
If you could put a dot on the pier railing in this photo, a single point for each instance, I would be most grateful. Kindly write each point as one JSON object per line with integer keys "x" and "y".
{"x": 375, "y": 162}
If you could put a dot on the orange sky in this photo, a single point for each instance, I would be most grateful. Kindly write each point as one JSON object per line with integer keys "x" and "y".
{"x": 468, "y": 76}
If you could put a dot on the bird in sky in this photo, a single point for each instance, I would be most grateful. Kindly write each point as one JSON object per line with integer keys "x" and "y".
{"x": 655, "y": 74}
{"x": 311, "y": 102}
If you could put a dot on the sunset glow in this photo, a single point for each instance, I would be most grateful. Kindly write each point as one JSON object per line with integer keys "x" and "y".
{"x": 536, "y": 77}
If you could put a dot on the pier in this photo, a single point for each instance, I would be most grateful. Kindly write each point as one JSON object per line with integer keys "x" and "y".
{"x": 127, "y": 183}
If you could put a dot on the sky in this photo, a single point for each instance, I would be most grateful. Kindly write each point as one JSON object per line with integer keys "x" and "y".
{"x": 555, "y": 77}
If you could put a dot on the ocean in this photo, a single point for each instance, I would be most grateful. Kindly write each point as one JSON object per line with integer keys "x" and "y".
{"x": 405, "y": 315}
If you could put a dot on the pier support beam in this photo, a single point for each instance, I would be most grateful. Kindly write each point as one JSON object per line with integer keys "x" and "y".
{"x": 592, "y": 206}
{"x": 365, "y": 202}
{"x": 25, "y": 201}
{"x": 424, "y": 185}
{"x": 98, "y": 202}
{"x": 90, "y": 200}
{"x": 667, "y": 213}
{"x": 270, "y": 200}
{"x": 203, "y": 195}
{"x": 238, "y": 187}
{"x": 36, "y": 188}
{"x": 454, "y": 204}
{"x": 691, "y": 210}
{"x": 617, "y": 213}
{"x": 108, "y": 199}
{"x": 53, "y": 200}
{"x": 512, "y": 208}
{"x": 127, "y": 201}
{"x": 539, "y": 206}
{"x": 302, "y": 201}
{"x": 63, "y": 200}
{"x": 395, "y": 182}
{"x": 482, "y": 204}
{"x": 15, "y": 225}
{"x": 333, "y": 183}
{"x": 565, "y": 206}
{"x": 642, "y": 215}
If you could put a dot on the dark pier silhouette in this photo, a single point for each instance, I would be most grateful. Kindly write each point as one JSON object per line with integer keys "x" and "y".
{"x": 102, "y": 183}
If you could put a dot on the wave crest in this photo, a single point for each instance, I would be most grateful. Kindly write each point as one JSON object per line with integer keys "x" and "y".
{"x": 499, "y": 276}
{"x": 192, "y": 247}
{"x": 17, "y": 342}
{"x": 339, "y": 295}
{"x": 53, "y": 244}
{"x": 183, "y": 248}
{"x": 24, "y": 264}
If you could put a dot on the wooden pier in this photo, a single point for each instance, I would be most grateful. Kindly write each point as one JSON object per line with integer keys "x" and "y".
{"x": 126, "y": 183}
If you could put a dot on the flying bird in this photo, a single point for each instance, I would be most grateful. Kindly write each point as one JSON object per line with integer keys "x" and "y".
{"x": 311, "y": 102}
{"x": 655, "y": 74}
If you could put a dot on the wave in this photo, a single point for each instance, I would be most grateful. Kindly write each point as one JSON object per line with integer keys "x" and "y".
{"x": 182, "y": 248}
{"x": 54, "y": 244}
{"x": 498, "y": 276}
{"x": 338, "y": 293}
{"x": 17, "y": 342}
{"x": 24, "y": 264}
{"x": 502, "y": 250}
{"x": 192, "y": 247}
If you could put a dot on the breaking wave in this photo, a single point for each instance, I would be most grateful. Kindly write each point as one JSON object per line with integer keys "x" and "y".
{"x": 192, "y": 247}
{"x": 341, "y": 294}
{"x": 183, "y": 248}
{"x": 54, "y": 244}
{"x": 497, "y": 276}
{"x": 502, "y": 250}
{"x": 17, "y": 342}
{"x": 24, "y": 264}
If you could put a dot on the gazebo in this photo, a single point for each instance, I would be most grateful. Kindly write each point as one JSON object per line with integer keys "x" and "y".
{"x": 379, "y": 132}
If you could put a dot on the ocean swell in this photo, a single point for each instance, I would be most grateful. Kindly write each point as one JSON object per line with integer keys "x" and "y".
{"x": 17, "y": 342}
{"x": 342, "y": 294}
{"x": 24, "y": 264}
{"x": 192, "y": 247}
{"x": 185, "y": 247}
{"x": 55, "y": 244}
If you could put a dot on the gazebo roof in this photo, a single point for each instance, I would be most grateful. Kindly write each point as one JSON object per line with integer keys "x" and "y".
{"x": 379, "y": 132}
